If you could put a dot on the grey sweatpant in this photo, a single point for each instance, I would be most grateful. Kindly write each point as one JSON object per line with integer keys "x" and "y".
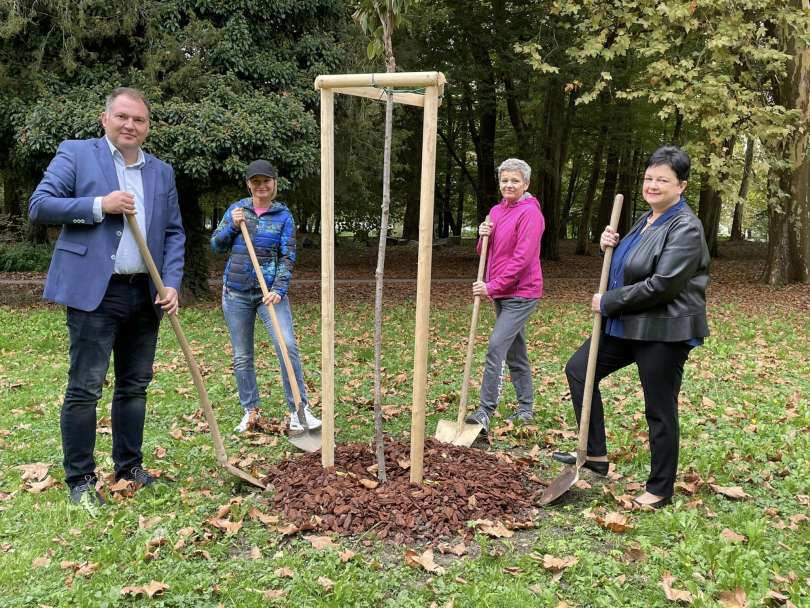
{"x": 508, "y": 343}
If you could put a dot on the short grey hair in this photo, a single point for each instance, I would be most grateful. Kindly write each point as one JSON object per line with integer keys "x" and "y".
{"x": 128, "y": 92}
{"x": 515, "y": 164}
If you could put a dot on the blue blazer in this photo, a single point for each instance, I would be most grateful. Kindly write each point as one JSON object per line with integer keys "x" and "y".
{"x": 84, "y": 255}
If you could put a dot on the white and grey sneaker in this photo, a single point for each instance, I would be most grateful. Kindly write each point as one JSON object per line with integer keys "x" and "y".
{"x": 479, "y": 416}
{"x": 313, "y": 422}
{"x": 248, "y": 420}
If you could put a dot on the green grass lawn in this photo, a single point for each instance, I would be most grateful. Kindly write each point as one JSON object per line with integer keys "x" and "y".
{"x": 744, "y": 422}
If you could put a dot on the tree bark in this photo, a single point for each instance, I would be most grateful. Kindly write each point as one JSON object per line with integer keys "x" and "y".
{"x": 573, "y": 178}
{"x": 583, "y": 233}
{"x": 739, "y": 207}
{"x": 195, "y": 271}
{"x": 789, "y": 213}
{"x": 608, "y": 187}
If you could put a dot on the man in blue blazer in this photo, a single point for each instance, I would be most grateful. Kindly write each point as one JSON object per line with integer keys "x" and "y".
{"x": 98, "y": 273}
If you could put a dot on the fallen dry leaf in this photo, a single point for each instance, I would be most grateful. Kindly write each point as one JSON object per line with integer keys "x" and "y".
{"x": 733, "y": 536}
{"x": 274, "y": 594}
{"x": 255, "y": 553}
{"x": 284, "y": 572}
{"x": 289, "y": 529}
{"x": 267, "y": 520}
{"x": 369, "y": 483}
{"x": 41, "y": 562}
{"x": 327, "y": 583}
{"x": 733, "y": 492}
{"x": 151, "y": 589}
{"x": 146, "y": 524}
{"x": 40, "y": 486}
{"x": 36, "y": 471}
{"x": 496, "y": 529}
{"x": 425, "y": 560}
{"x": 346, "y": 555}
{"x": 615, "y": 522}
{"x": 733, "y": 599}
{"x": 557, "y": 564}
{"x": 674, "y": 595}
{"x": 322, "y": 542}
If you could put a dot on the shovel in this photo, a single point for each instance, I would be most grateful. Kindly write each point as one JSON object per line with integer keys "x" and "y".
{"x": 219, "y": 447}
{"x": 570, "y": 474}
{"x": 307, "y": 440}
{"x": 459, "y": 432}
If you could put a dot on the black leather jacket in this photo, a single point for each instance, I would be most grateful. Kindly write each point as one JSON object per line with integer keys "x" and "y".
{"x": 665, "y": 279}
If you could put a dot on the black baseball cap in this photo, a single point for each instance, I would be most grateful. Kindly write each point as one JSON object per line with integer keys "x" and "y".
{"x": 260, "y": 167}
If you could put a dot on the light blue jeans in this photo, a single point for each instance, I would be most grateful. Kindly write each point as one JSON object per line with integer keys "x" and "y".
{"x": 240, "y": 309}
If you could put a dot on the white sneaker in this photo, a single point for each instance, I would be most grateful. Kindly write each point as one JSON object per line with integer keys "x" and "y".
{"x": 248, "y": 419}
{"x": 312, "y": 421}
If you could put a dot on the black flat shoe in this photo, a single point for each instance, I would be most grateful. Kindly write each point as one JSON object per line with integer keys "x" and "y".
{"x": 600, "y": 468}
{"x": 666, "y": 500}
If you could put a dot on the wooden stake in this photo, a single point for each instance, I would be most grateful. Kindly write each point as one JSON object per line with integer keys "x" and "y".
{"x": 327, "y": 277}
{"x": 422, "y": 330}
{"x": 395, "y": 79}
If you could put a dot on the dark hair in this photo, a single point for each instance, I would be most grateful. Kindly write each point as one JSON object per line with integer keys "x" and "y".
{"x": 128, "y": 92}
{"x": 672, "y": 157}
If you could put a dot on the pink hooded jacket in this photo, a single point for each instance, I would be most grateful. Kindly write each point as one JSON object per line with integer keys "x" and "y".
{"x": 513, "y": 264}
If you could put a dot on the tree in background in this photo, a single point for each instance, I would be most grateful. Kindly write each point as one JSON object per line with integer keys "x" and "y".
{"x": 230, "y": 81}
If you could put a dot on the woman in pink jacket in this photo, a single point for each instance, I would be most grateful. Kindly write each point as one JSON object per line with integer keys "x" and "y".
{"x": 514, "y": 282}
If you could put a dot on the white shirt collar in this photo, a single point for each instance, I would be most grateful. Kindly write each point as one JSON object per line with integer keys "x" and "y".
{"x": 117, "y": 153}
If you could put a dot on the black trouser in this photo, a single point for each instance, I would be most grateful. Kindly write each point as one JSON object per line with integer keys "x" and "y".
{"x": 660, "y": 369}
{"x": 125, "y": 324}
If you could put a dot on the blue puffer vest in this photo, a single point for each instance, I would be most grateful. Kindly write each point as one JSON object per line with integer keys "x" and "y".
{"x": 273, "y": 236}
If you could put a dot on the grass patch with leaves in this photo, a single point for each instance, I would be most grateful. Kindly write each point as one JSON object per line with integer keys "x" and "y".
{"x": 744, "y": 424}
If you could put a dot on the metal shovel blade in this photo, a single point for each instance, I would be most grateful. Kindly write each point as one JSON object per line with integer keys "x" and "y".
{"x": 558, "y": 487}
{"x": 306, "y": 441}
{"x": 448, "y": 431}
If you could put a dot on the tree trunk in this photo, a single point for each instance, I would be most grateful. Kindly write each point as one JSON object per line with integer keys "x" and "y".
{"x": 195, "y": 272}
{"x": 583, "y": 232}
{"x": 627, "y": 179}
{"x": 555, "y": 136}
{"x": 789, "y": 214}
{"x": 608, "y": 188}
{"x": 12, "y": 195}
{"x": 711, "y": 205}
{"x": 739, "y": 207}
{"x": 573, "y": 178}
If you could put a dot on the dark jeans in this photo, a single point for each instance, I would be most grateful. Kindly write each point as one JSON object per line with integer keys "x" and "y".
{"x": 125, "y": 324}
{"x": 660, "y": 369}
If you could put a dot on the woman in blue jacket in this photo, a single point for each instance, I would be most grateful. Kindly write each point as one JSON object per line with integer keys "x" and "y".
{"x": 272, "y": 231}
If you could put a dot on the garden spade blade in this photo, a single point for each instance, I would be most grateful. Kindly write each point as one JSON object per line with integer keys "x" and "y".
{"x": 308, "y": 440}
{"x": 459, "y": 432}
{"x": 205, "y": 404}
{"x": 570, "y": 473}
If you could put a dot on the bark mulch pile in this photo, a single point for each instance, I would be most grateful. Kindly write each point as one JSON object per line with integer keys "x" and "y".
{"x": 461, "y": 485}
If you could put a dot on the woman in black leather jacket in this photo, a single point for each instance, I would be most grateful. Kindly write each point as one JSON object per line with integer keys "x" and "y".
{"x": 654, "y": 313}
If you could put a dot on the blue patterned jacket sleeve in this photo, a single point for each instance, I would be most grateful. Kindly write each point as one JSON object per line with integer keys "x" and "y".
{"x": 286, "y": 260}
{"x": 225, "y": 233}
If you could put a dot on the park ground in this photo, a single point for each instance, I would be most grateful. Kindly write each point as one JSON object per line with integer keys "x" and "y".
{"x": 737, "y": 535}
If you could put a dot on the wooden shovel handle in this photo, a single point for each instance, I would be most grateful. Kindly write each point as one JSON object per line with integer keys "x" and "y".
{"x": 465, "y": 383}
{"x": 276, "y": 326}
{"x": 590, "y": 374}
{"x": 222, "y": 457}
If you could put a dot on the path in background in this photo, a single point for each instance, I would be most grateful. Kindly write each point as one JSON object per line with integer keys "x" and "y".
{"x": 735, "y": 278}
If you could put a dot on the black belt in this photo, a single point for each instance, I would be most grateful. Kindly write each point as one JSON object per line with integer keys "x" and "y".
{"x": 139, "y": 277}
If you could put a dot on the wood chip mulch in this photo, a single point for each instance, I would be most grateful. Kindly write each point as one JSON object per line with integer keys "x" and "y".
{"x": 461, "y": 485}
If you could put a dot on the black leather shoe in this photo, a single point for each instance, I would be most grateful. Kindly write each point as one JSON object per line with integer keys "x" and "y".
{"x": 666, "y": 500}
{"x": 600, "y": 468}
{"x": 139, "y": 476}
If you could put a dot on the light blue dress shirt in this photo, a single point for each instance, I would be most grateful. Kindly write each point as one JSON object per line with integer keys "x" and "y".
{"x": 128, "y": 259}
